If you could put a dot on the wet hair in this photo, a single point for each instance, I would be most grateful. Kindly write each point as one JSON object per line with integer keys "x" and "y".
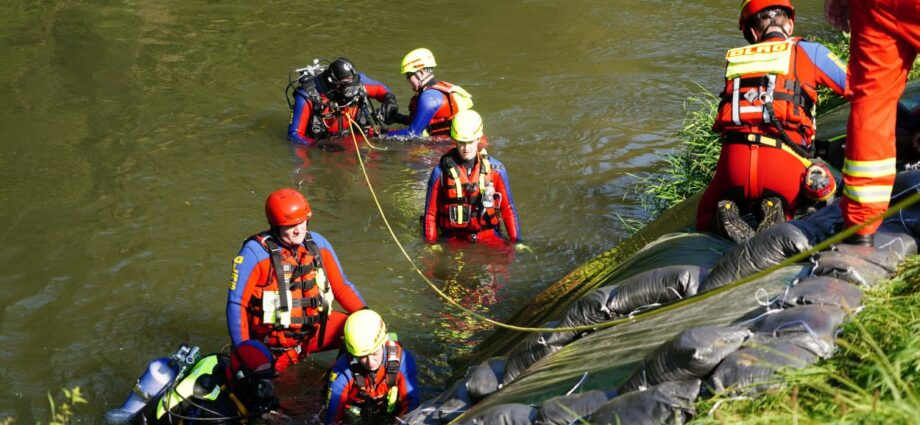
{"x": 762, "y": 20}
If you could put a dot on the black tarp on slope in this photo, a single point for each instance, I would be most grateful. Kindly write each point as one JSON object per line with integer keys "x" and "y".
{"x": 610, "y": 355}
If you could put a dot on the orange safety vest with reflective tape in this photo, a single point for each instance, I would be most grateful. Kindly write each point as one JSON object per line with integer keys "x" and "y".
{"x": 762, "y": 90}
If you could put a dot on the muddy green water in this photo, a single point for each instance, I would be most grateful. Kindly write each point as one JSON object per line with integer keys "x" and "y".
{"x": 138, "y": 141}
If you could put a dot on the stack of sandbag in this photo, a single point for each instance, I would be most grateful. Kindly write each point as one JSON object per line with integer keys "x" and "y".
{"x": 479, "y": 382}
{"x": 642, "y": 291}
{"x": 799, "y": 328}
{"x": 692, "y": 354}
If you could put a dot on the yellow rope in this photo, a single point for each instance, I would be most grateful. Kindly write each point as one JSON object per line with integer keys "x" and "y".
{"x": 641, "y": 316}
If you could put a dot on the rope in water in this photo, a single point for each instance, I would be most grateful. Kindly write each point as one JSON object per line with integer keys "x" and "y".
{"x": 840, "y": 236}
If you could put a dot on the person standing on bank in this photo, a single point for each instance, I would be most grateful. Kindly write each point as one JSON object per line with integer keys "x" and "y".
{"x": 283, "y": 284}
{"x": 884, "y": 42}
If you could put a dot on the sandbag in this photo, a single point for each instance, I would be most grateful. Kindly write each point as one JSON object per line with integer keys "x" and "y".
{"x": 751, "y": 370}
{"x": 855, "y": 270}
{"x": 667, "y": 403}
{"x": 462, "y": 395}
{"x": 887, "y": 259}
{"x": 813, "y": 327}
{"x": 533, "y": 348}
{"x": 483, "y": 379}
{"x": 693, "y": 353}
{"x": 823, "y": 290}
{"x": 504, "y": 414}
{"x": 567, "y": 409}
{"x": 764, "y": 250}
{"x": 652, "y": 287}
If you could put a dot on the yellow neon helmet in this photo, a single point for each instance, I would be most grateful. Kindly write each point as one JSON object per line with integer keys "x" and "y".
{"x": 417, "y": 59}
{"x": 466, "y": 126}
{"x": 365, "y": 332}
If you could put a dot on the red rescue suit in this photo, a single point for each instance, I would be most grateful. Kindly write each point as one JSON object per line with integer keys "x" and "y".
{"x": 770, "y": 90}
{"x": 454, "y": 203}
{"x": 884, "y": 41}
{"x": 298, "y": 320}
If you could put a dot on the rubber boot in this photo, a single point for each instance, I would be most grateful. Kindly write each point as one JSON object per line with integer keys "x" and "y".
{"x": 861, "y": 240}
{"x": 731, "y": 224}
{"x": 772, "y": 210}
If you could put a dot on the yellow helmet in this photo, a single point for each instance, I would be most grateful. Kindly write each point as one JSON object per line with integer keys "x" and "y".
{"x": 365, "y": 332}
{"x": 466, "y": 126}
{"x": 418, "y": 59}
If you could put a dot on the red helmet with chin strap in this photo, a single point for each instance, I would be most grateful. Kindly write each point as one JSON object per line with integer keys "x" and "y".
{"x": 752, "y": 7}
{"x": 286, "y": 207}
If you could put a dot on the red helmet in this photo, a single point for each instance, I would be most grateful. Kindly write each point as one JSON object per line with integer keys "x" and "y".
{"x": 286, "y": 207}
{"x": 752, "y": 7}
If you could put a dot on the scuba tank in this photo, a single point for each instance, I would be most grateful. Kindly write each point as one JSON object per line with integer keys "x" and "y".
{"x": 160, "y": 374}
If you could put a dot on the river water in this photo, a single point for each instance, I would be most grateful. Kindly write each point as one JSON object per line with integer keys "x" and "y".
{"x": 140, "y": 139}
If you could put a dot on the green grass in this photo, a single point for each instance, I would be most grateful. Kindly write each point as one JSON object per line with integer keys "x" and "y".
{"x": 62, "y": 411}
{"x": 871, "y": 380}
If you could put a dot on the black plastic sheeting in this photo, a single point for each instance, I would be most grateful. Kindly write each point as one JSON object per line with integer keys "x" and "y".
{"x": 691, "y": 354}
{"x": 644, "y": 290}
{"x": 667, "y": 403}
{"x": 479, "y": 382}
{"x": 506, "y": 414}
{"x": 568, "y": 409}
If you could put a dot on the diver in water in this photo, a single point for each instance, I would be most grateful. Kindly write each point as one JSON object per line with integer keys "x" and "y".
{"x": 435, "y": 103}
{"x": 214, "y": 389}
{"x": 374, "y": 381}
{"x": 326, "y": 99}
{"x": 767, "y": 125}
{"x": 468, "y": 192}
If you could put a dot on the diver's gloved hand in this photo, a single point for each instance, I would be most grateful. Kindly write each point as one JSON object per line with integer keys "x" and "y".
{"x": 520, "y": 247}
{"x": 389, "y": 110}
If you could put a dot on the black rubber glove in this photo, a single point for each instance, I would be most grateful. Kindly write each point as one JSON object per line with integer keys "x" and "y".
{"x": 389, "y": 110}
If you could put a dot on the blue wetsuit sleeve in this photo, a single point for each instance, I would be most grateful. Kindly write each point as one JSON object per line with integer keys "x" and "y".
{"x": 300, "y": 119}
{"x": 407, "y": 367}
{"x": 508, "y": 210}
{"x": 830, "y": 70}
{"x": 428, "y": 104}
{"x": 241, "y": 286}
{"x": 338, "y": 383}
{"x": 375, "y": 89}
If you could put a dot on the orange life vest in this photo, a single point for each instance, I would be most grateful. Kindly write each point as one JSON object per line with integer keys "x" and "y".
{"x": 282, "y": 317}
{"x": 457, "y": 100}
{"x": 462, "y": 208}
{"x": 763, "y": 91}
{"x": 373, "y": 398}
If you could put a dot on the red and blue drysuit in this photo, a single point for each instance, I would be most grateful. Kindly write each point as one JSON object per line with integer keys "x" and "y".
{"x": 753, "y": 163}
{"x": 432, "y": 110}
{"x": 454, "y": 203}
{"x": 314, "y": 277}
{"x": 351, "y": 385}
{"x": 312, "y": 119}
